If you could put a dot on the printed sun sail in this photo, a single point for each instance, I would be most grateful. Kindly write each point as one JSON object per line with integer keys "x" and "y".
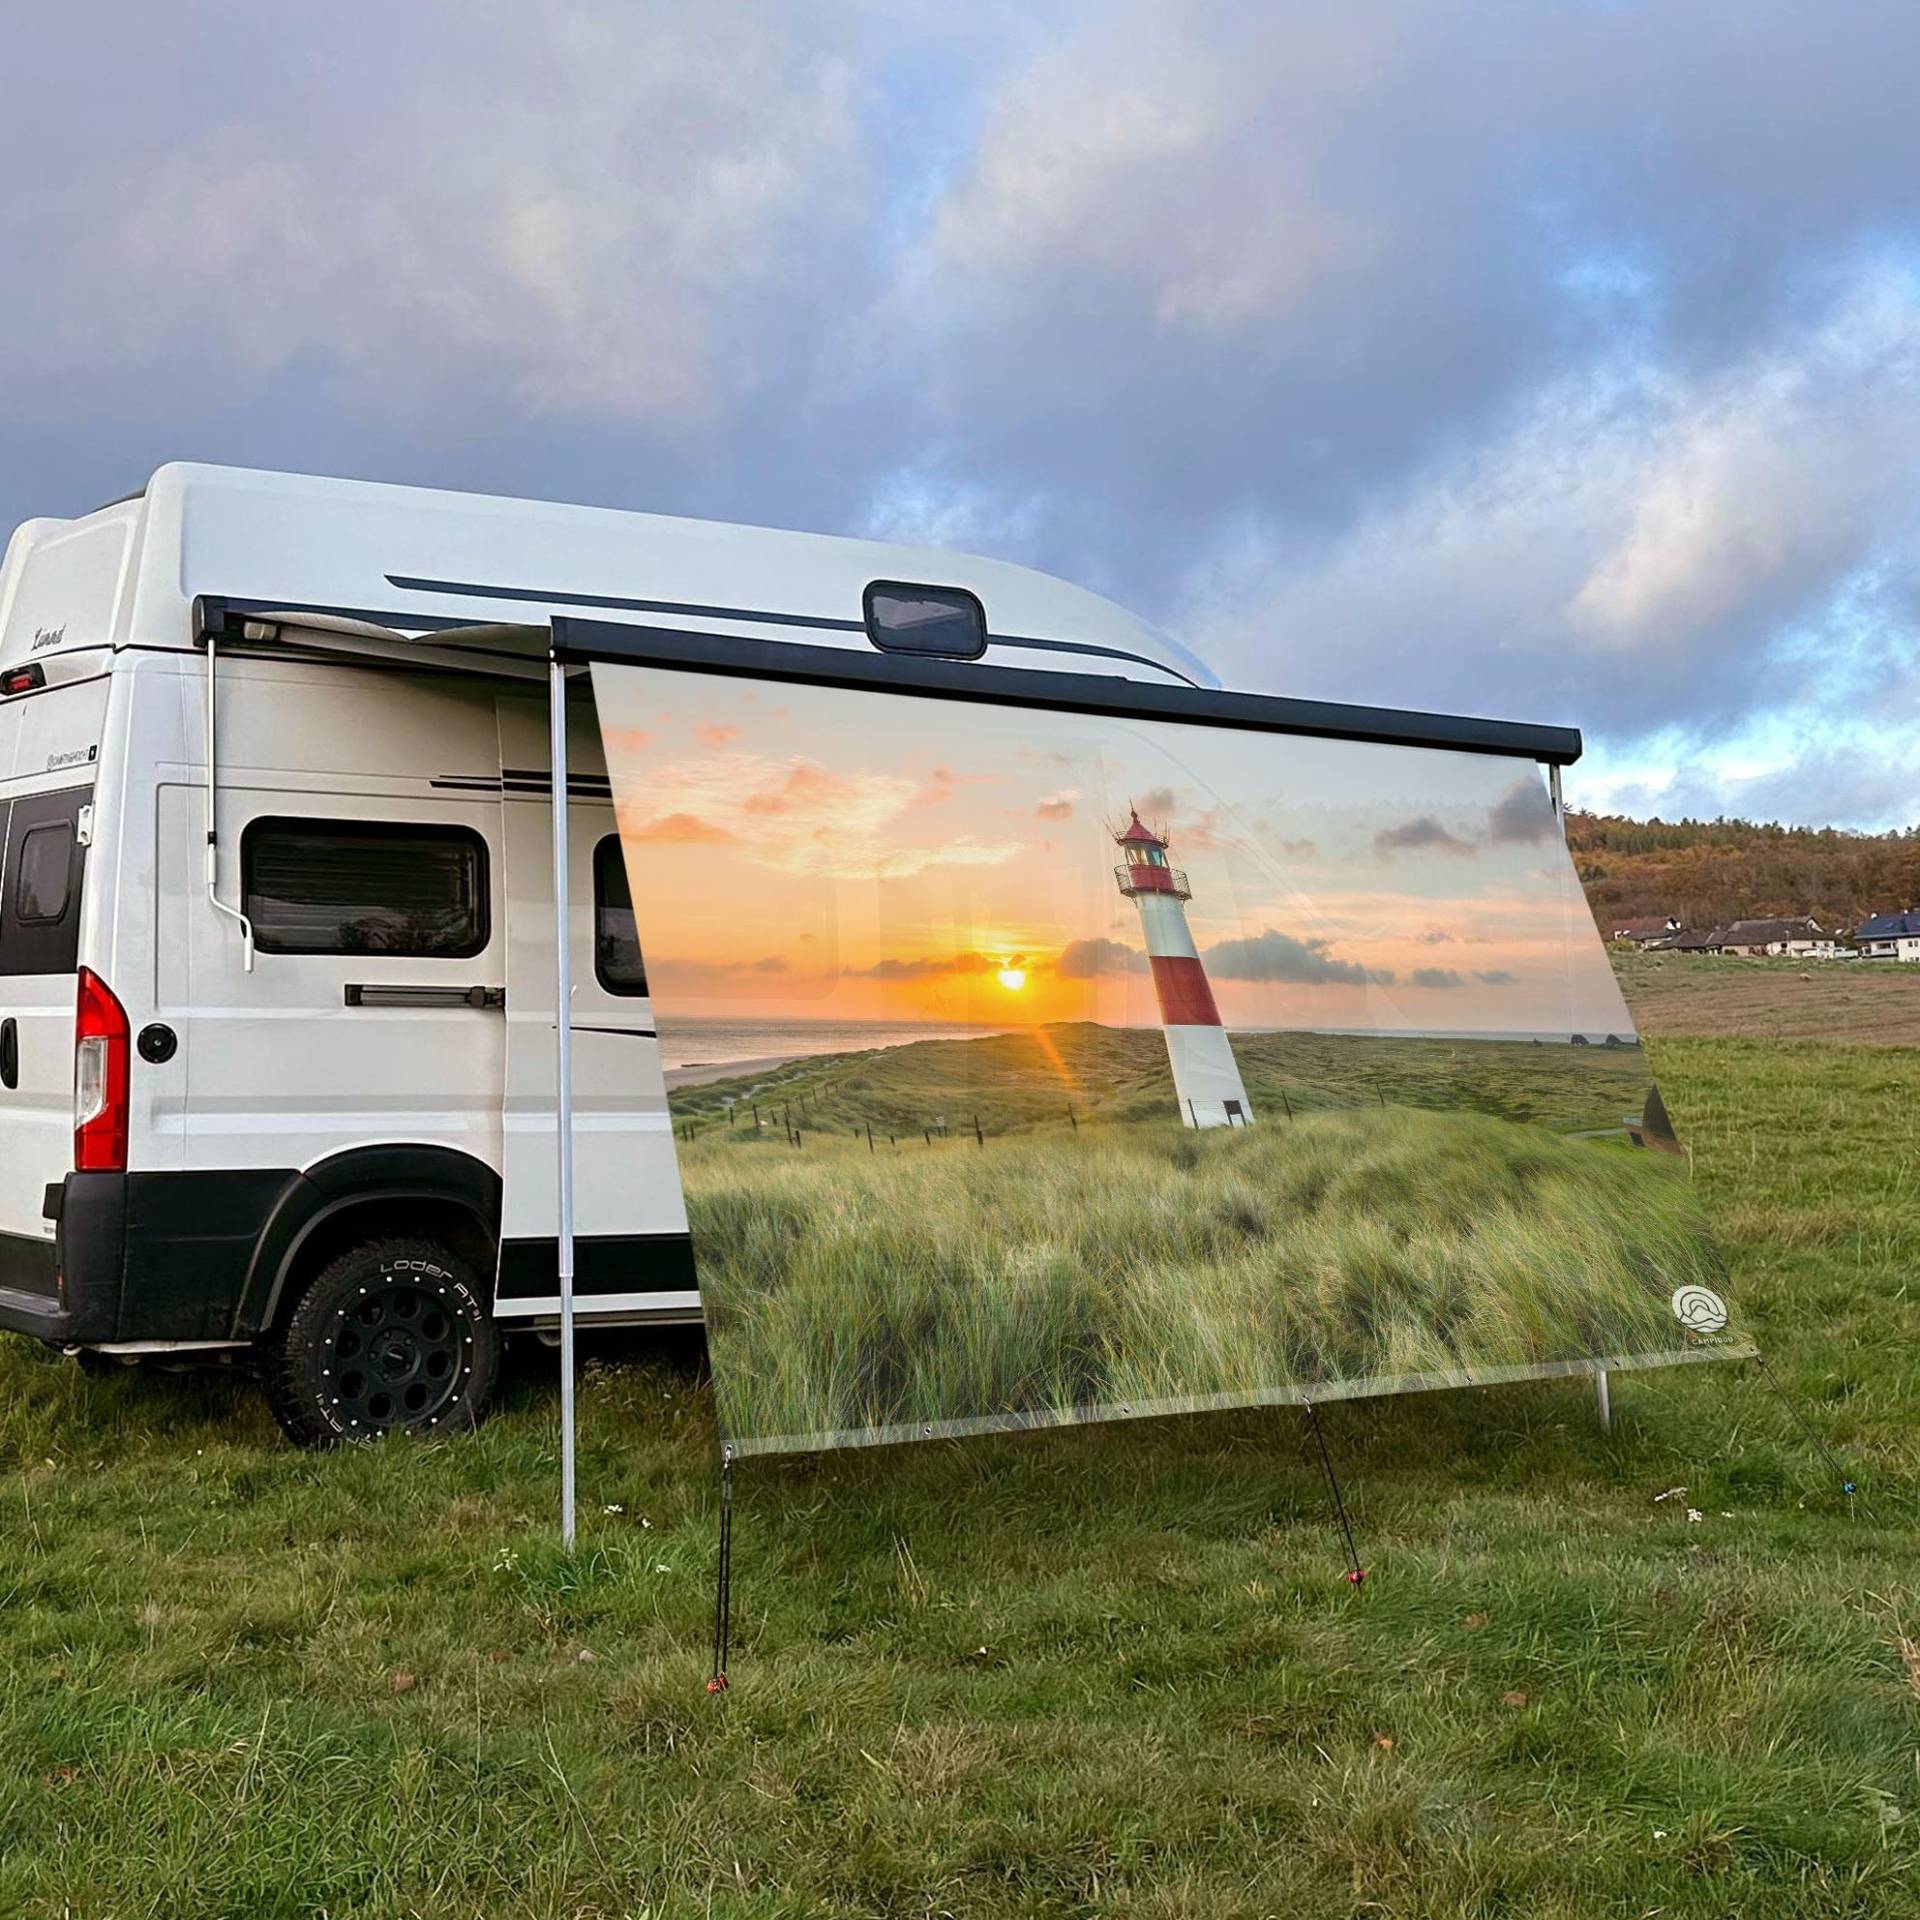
{"x": 1034, "y": 1066}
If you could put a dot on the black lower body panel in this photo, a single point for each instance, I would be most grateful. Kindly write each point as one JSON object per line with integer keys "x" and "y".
{"x": 139, "y": 1256}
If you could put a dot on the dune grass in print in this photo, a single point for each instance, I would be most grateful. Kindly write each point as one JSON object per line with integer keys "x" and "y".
{"x": 1121, "y": 1263}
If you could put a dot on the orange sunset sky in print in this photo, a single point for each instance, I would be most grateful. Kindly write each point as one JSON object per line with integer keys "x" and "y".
{"x": 817, "y": 853}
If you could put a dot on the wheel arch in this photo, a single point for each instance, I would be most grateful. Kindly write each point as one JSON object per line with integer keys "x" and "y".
{"x": 369, "y": 1193}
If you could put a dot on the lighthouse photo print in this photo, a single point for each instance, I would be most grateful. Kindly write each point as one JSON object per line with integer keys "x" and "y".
{"x": 1034, "y": 1066}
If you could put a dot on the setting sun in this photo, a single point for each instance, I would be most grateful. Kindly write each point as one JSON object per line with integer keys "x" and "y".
{"x": 1013, "y": 978}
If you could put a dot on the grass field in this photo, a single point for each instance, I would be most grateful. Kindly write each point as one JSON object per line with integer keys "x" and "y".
{"x": 1874, "y": 1002}
{"x": 1105, "y": 1670}
{"x": 891, "y": 1284}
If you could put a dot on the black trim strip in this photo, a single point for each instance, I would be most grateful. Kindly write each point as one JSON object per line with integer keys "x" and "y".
{"x": 760, "y": 616}
{"x": 1070, "y": 692}
{"x": 532, "y": 780}
{"x": 580, "y": 786}
{"x": 211, "y": 611}
{"x": 618, "y": 603}
{"x": 602, "y": 1263}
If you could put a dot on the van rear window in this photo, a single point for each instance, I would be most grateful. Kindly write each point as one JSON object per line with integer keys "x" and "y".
{"x": 41, "y": 870}
{"x": 364, "y": 886}
{"x": 44, "y": 883}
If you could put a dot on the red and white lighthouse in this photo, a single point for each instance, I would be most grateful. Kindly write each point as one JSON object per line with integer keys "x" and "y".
{"x": 1205, "y": 1075}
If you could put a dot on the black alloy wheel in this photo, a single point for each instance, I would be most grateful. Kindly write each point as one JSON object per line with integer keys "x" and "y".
{"x": 392, "y": 1335}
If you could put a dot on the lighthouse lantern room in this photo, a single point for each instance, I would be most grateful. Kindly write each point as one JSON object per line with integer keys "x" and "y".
{"x": 1206, "y": 1077}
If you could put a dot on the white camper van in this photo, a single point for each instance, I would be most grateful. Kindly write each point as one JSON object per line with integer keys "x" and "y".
{"x": 277, "y": 945}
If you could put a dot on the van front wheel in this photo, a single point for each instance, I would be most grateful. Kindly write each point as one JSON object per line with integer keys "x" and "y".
{"x": 392, "y": 1335}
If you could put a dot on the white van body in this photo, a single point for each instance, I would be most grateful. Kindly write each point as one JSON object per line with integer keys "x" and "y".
{"x": 281, "y": 1101}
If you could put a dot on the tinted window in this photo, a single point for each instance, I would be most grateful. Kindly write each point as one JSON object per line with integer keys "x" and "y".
{"x": 945, "y": 621}
{"x": 43, "y": 874}
{"x": 616, "y": 941}
{"x": 359, "y": 886}
{"x": 43, "y": 865}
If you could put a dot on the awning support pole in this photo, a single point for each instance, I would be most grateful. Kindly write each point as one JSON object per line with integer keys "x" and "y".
{"x": 1602, "y": 1387}
{"x": 563, "y": 1104}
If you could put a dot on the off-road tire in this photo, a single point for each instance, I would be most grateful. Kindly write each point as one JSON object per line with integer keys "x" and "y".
{"x": 392, "y": 1336}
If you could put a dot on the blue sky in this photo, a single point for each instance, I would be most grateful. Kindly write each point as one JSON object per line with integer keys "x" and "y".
{"x": 1554, "y": 360}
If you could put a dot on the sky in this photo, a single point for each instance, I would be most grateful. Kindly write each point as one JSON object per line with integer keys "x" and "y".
{"x": 1557, "y": 360}
{"x": 816, "y": 853}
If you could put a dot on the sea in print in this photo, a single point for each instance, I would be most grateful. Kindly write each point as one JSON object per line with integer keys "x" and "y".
{"x": 694, "y": 1042}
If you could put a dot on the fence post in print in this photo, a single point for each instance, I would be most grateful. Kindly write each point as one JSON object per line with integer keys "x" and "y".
{"x": 980, "y": 1139}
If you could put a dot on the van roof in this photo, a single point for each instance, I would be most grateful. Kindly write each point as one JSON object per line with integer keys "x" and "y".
{"x": 416, "y": 557}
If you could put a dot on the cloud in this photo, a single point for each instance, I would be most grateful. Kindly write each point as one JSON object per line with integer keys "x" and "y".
{"x": 928, "y": 967}
{"x": 1275, "y": 956}
{"x": 583, "y": 247}
{"x": 1436, "y": 977}
{"x": 1418, "y": 836}
{"x": 1157, "y": 803}
{"x": 690, "y": 973}
{"x": 1601, "y": 412}
{"x": 1057, "y": 806}
{"x": 795, "y": 815}
{"x": 1495, "y": 976}
{"x": 716, "y": 735}
{"x": 679, "y": 829}
{"x": 1091, "y": 959}
{"x": 1639, "y": 548}
{"x": 1523, "y": 815}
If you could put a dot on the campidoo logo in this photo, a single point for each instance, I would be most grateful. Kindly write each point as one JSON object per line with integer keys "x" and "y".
{"x": 1699, "y": 1309}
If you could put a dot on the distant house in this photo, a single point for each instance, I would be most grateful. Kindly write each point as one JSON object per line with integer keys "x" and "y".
{"x": 1890, "y": 936}
{"x": 1646, "y": 933}
{"x": 1802, "y": 938}
{"x": 1693, "y": 941}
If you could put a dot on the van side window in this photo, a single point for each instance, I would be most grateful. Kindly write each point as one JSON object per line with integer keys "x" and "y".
{"x": 43, "y": 863}
{"x": 616, "y": 941}
{"x": 364, "y": 886}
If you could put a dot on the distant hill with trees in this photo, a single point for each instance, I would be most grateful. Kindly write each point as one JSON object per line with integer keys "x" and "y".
{"x": 1708, "y": 872}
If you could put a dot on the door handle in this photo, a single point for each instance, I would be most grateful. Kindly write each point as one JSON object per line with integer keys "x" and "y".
{"x": 381, "y": 994}
{"x": 9, "y": 1053}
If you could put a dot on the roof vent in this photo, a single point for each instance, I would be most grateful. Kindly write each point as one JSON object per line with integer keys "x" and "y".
{"x": 948, "y": 623}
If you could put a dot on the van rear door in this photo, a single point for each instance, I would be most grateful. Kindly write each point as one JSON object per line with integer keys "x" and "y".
{"x": 631, "y": 1256}
{"x": 43, "y": 862}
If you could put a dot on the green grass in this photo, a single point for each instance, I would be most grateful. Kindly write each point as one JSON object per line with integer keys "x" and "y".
{"x": 1032, "y": 1079}
{"x": 1143, "y": 1267}
{"x": 1108, "y": 1670}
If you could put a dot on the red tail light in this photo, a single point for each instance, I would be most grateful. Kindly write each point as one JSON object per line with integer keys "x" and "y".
{"x": 100, "y": 1050}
